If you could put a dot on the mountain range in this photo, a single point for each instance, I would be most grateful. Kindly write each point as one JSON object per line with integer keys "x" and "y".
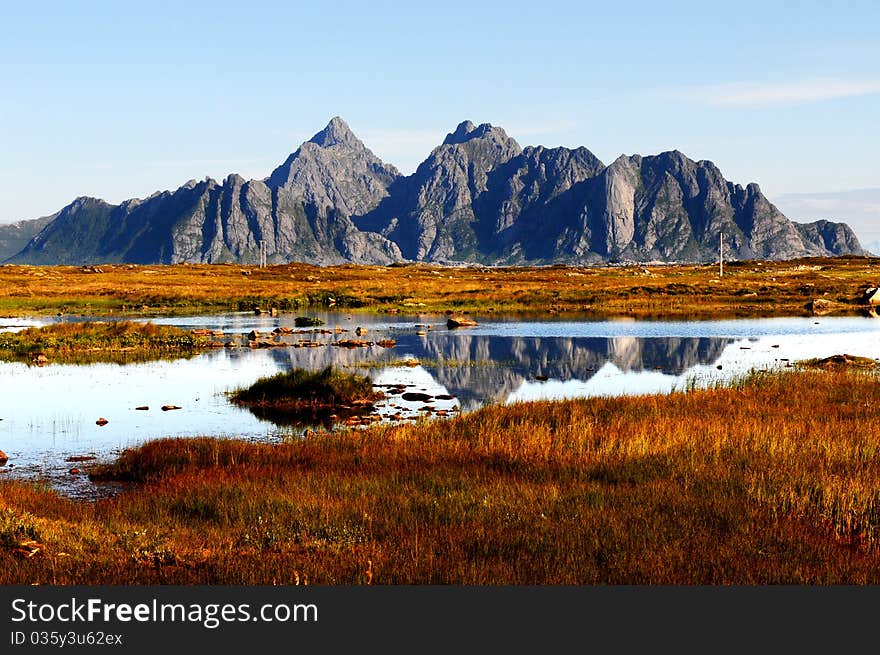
{"x": 479, "y": 197}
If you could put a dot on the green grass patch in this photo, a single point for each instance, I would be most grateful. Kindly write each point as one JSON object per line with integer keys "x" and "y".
{"x": 301, "y": 386}
{"x": 838, "y": 361}
{"x": 307, "y": 321}
{"x": 98, "y": 341}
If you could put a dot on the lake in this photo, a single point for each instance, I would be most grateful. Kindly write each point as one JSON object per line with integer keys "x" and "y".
{"x": 48, "y": 413}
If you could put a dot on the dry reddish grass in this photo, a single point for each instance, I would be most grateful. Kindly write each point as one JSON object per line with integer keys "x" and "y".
{"x": 770, "y": 481}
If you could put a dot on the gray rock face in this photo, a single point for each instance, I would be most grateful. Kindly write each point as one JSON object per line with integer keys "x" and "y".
{"x": 431, "y": 214}
{"x": 478, "y": 197}
{"x": 301, "y": 213}
{"x": 334, "y": 171}
{"x": 835, "y": 237}
{"x": 15, "y": 236}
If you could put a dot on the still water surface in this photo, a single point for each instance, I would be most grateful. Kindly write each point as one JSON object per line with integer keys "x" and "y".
{"x": 48, "y": 413}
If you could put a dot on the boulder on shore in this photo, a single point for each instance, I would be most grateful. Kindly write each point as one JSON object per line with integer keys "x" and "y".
{"x": 820, "y": 306}
{"x": 871, "y": 296}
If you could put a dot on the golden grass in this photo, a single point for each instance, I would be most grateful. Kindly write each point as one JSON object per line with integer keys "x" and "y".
{"x": 91, "y": 341}
{"x": 772, "y": 480}
{"x": 661, "y": 291}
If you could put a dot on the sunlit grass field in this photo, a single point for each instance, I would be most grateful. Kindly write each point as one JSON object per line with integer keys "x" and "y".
{"x": 771, "y": 480}
{"x": 656, "y": 291}
{"x": 91, "y": 341}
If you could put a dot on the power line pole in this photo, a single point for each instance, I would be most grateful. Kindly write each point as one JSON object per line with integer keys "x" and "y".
{"x": 721, "y": 255}
{"x": 262, "y": 254}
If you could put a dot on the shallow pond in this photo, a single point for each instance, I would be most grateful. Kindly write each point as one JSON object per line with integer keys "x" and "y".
{"x": 48, "y": 413}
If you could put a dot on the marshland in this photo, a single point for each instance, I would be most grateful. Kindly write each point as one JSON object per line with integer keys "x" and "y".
{"x": 589, "y": 429}
{"x": 745, "y": 289}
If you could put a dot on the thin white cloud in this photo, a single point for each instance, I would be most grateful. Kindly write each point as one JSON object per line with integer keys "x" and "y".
{"x": 770, "y": 94}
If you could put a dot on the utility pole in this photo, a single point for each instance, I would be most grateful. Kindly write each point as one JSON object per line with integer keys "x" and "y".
{"x": 262, "y": 254}
{"x": 721, "y": 255}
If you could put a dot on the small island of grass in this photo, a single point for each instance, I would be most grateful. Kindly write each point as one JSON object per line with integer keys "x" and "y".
{"x": 838, "y": 361}
{"x": 99, "y": 341}
{"x": 302, "y": 396}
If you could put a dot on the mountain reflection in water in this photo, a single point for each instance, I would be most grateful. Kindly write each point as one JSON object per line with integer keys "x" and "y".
{"x": 478, "y": 369}
{"x": 49, "y": 413}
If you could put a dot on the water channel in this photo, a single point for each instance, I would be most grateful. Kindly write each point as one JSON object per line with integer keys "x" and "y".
{"x": 48, "y": 413}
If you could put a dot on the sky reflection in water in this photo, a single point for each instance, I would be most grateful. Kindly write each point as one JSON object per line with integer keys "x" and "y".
{"x": 48, "y": 413}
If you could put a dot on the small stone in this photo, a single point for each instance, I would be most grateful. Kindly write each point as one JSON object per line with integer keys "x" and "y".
{"x": 165, "y": 408}
{"x": 81, "y": 458}
{"x": 102, "y": 421}
{"x": 415, "y": 396}
{"x": 143, "y": 408}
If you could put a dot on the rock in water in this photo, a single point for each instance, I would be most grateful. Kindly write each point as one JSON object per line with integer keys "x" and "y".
{"x": 456, "y": 322}
{"x": 416, "y": 396}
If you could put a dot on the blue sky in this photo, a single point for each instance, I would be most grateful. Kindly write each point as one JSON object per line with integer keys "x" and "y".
{"x": 119, "y": 100}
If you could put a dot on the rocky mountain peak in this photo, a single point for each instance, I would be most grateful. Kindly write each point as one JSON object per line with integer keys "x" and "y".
{"x": 478, "y": 197}
{"x": 336, "y": 133}
{"x": 467, "y": 131}
{"x": 462, "y": 133}
{"x": 335, "y": 169}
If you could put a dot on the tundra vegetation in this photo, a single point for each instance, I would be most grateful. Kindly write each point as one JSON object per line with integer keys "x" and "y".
{"x": 747, "y": 289}
{"x": 94, "y": 341}
{"x": 771, "y": 479}
{"x": 302, "y": 396}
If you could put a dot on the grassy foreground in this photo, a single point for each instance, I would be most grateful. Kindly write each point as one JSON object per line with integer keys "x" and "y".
{"x": 773, "y": 480}
{"x": 663, "y": 291}
{"x": 94, "y": 341}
